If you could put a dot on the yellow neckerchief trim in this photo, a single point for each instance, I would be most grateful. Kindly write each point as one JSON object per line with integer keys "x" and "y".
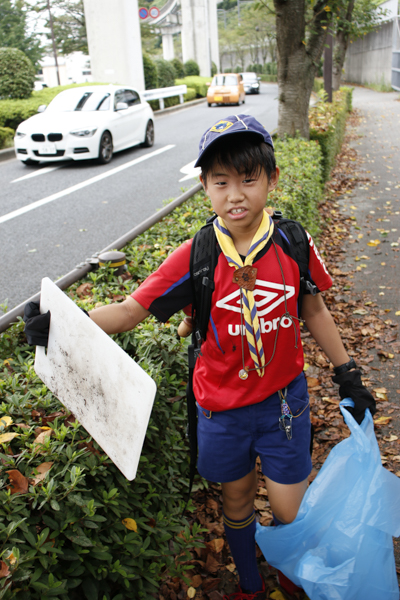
{"x": 252, "y": 325}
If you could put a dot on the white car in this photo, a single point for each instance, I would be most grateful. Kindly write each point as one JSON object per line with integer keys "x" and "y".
{"x": 85, "y": 123}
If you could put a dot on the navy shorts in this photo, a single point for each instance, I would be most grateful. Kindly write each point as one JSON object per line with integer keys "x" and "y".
{"x": 230, "y": 441}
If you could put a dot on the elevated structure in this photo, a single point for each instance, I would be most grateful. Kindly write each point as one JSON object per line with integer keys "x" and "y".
{"x": 197, "y": 22}
{"x": 115, "y": 47}
{"x": 113, "y": 31}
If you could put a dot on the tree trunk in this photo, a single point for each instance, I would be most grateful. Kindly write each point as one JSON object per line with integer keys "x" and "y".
{"x": 297, "y": 63}
{"x": 339, "y": 56}
{"x": 341, "y": 43}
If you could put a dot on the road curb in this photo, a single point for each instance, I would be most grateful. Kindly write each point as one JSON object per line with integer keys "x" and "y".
{"x": 6, "y": 154}
{"x": 179, "y": 106}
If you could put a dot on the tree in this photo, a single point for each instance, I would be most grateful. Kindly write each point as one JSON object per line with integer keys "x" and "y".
{"x": 17, "y": 74}
{"x": 68, "y": 24}
{"x": 13, "y": 30}
{"x": 357, "y": 19}
{"x": 301, "y": 30}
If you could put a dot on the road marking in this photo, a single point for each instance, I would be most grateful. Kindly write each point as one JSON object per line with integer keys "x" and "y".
{"x": 38, "y": 172}
{"x": 79, "y": 186}
{"x": 190, "y": 171}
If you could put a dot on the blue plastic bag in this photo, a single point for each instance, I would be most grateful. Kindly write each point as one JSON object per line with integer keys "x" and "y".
{"x": 340, "y": 545}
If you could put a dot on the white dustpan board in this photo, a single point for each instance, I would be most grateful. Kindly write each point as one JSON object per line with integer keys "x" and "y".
{"x": 109, "y": 394}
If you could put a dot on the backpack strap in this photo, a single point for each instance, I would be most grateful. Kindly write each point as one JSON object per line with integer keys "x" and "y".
{"x": 297, "y": 237}
{"x": 203, "y": 259}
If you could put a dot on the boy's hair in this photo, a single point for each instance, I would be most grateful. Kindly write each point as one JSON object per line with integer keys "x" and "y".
{"x": 245, "y": 154}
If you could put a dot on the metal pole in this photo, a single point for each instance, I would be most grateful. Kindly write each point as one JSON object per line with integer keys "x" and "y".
{"x": 328, "y": 65}
{"x": 53, "y": 42}
{"x": 82, "y": 269}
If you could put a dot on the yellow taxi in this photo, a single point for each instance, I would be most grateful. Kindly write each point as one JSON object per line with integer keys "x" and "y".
{"x": 226, "y": 88}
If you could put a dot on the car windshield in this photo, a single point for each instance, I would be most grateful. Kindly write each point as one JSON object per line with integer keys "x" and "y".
{"x": 78, "y": 100}
{"x": 249, "y": 76}
{"x": 224, "y": 80}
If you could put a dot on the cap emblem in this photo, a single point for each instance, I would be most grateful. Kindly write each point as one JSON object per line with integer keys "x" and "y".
{"x": 221, "y": 126}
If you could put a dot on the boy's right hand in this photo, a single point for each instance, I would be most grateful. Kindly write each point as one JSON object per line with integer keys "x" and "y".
{"x": 36, "y": 325}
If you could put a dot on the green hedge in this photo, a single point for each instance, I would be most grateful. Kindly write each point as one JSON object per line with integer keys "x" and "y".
{"x": 6, "y": 137}
{"x": 13, "y": 112}
{"x": 66, "y": 535}
{"x": 196, "y": 82}
{"x": 327, "y": 125}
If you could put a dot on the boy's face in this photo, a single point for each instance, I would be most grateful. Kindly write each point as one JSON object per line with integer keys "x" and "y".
{"x": 239, "y": 200}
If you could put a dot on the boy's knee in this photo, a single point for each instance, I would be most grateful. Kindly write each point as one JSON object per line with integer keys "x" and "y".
{"x": 285, "y": 516}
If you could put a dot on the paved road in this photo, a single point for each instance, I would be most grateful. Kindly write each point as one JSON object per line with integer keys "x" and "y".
{"x": 49, "y": 240}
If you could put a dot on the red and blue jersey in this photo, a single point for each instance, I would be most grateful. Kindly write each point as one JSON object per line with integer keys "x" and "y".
{"x": 216, "y": 382}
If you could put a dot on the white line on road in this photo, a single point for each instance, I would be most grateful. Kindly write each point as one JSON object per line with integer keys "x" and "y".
{"x": 38, "y": 172}
{"x": 79, "y": 186}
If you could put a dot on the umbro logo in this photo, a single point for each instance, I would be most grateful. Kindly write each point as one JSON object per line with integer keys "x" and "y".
{"x": 267, "y": 296}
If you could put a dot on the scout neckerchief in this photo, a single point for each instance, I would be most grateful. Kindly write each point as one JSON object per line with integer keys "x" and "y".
{"x": 252, "y": 325}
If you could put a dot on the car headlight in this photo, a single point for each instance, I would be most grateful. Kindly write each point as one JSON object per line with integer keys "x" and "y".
{"x": 83, "y": 132}
{"x": 19, "y": 134}
{"x": 256, "y": 85}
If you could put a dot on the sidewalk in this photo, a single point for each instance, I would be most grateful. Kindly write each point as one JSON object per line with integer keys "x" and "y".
{"x": 373, "y": 254}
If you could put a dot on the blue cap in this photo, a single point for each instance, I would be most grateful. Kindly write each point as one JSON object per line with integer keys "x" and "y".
{"x": 232, "y": 124}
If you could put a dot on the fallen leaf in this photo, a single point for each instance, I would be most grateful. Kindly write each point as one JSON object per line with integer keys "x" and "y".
{"x": 382, "y": 420}
{"x": 191, "y": 592}
{"x": 41, "y": 438}
{"x": 259, "y": 504}
{"x": 312, "y": 382}
{"x": 18, "y": 482}
{"x": 212, "y": 565}
{"x": 231, "y": 567}
{"x": 5, "y": 421}
{"x": 380, "y": 390}
{"x": 41, "y": 472}
{"x": 216, "y": 545}
{"x": 130, "y": 524}
{"x": 4, "y": 570}
{"x": 7, "y": 437}
{"x": 84, "y": 289}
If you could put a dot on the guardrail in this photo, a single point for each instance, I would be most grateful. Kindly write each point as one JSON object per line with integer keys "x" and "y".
{"x": 82, "y": 269}
{"x": 167, "y": 92}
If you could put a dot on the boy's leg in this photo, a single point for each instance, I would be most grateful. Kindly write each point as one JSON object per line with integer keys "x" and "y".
{"x": 285, "y": 502}
{"x": 284, "y": 499}
{"x": 240, "y": 527}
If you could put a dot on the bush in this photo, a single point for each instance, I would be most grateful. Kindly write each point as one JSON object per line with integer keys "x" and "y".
{"x": 190, "y": 94}
{"x": 165, "y": 73}
{"x": 13, "y": 112}
{"x": 327, "y": 125}
{"x": 191, "y": 68}
{"x": 6, "y": 137}
{"x": 178, "y": 67}
{"x": 17, "y": 74}
{"x": 150, "y": 73}
{"x": 197, "y": 83}
{"x": 214, "y": 69}
{"x": 300, "y": 187}
{"x": 64, "y": 536}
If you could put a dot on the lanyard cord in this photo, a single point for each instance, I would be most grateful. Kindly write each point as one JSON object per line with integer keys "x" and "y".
{"x": 245, "y": 370}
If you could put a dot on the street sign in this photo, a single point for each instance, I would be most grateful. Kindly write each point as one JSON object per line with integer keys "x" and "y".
{"x": 143, "y": 13}
{"x": 154, "y": 12}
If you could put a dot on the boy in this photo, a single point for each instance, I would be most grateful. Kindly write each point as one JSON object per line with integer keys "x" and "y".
{"x": 248, "y": 381}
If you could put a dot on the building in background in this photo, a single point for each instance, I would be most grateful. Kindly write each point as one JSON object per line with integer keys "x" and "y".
{"x": 375, "y": 57}
{"x": 74, "y": 68}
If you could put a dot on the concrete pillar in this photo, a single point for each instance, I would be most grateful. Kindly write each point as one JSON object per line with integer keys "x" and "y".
{"x": 115, "y": 48}
{"x": 214, "y": 42}
{"x": 167, "y": 45}
{"x": 199, "y": 25}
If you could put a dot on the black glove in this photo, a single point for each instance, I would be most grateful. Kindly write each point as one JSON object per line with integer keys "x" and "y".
{"x": 36, "y": 325}
{"x": 352, "y": 387}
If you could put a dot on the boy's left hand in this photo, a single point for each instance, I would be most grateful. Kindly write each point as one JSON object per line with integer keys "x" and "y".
{"x": 352, "y": 387}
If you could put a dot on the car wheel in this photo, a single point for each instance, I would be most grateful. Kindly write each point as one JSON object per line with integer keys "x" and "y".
{"x": 105, "y": 148}
{"x": 208, "y": 103}
{"x": 29, "y": 162}
{"x": 149, "y": 137}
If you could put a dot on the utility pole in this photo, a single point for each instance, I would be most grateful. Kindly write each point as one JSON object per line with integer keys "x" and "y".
{"x": 328, "y": 64}
{"x": 53, "y": 42}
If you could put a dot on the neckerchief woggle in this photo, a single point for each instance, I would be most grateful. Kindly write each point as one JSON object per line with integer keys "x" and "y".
{"x": 252, "y": 325}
